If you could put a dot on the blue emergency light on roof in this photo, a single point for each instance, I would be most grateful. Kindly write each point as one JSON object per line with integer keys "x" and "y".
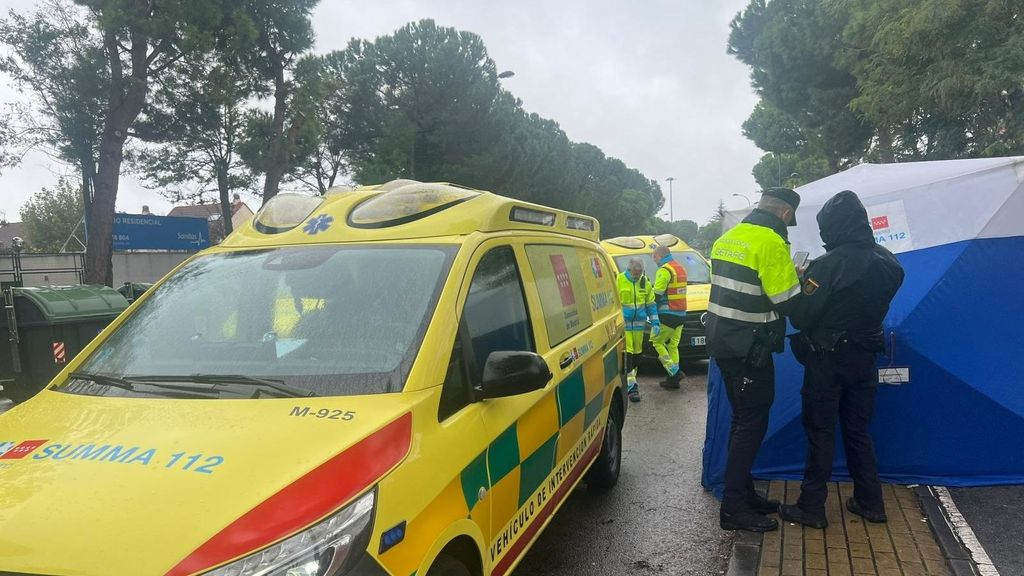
{"x": 406, "y": 203}
{"x": 577, "y": 223}
{"x": 531, "y": 216}
{"x": 284, "y": 212}
{"x": 627, "y": 242}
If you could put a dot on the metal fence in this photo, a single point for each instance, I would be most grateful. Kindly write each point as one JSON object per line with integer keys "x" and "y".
{"x": 27, "y": 269}
{"x": 18, "y": 269}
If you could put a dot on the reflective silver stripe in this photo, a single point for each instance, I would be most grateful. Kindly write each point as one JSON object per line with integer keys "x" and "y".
{"x": 736, "y": 285}
{"x": 783, "y": 296}
{"x": 734, "y": 314}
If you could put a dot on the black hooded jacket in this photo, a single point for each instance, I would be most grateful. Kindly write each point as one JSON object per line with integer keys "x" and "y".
{"x": 847, "y": 292}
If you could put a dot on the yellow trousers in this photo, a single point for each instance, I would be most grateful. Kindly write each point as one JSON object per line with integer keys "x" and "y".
{"x": 666, "y": 343}
{"x": 634, "y": 341}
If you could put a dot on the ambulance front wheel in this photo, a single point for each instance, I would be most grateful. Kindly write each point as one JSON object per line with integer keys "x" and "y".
{"x": 604, "y": 474}
{"x": 448, "y": 566}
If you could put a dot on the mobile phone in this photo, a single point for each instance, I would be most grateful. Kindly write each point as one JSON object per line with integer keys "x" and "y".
{"x": 800, "y": 258}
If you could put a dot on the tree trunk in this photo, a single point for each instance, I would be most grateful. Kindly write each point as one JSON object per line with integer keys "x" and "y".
{"x": 885, "y": 151}
{"x": 124, "y": 103}
{"x": 277, "y": 156}
{"x": 99, "y": 249}
{"x": 225, "y": 197}
{"x": 88, "y": 170}
{"x": 318, "y": 172}
{"x": 335, "y": 168}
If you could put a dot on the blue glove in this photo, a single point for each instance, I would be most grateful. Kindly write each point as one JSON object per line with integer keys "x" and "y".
{"x": 655, "y": 329}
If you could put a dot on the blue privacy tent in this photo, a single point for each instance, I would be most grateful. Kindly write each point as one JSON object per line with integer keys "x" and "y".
{"x": 958, "y": 229}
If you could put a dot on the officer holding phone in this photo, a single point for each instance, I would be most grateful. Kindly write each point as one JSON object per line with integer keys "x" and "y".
{"x": 846, "y": 295}
{"x": 754, "y": 285}
{"x": 800, "y": 261}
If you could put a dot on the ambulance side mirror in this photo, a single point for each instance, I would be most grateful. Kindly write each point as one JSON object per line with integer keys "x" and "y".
{"x": 509, "y": 373}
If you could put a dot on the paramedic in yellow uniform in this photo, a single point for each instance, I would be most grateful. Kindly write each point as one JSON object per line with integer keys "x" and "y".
{"x": 637, "y": 295}
{"x": 670, "y": 293}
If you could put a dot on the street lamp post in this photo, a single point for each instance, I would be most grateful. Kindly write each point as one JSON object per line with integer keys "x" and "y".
{"x": 745, "y": 198}
{"x": 671, "y": 212}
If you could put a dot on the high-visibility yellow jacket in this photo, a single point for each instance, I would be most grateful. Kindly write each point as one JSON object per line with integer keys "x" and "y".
{"x": 670, "y": 287}
{"x": 753, "y": 285}
{"x": 637, "y": 301}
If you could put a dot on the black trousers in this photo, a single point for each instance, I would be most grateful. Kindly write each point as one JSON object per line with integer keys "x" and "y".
{"x": 839, "y": 385}
{"x": 751, "y": 392}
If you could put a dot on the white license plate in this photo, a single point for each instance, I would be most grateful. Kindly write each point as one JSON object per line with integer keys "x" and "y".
{"x": 697, "y": 341}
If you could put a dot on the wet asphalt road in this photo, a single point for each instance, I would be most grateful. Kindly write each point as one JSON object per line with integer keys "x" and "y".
{"x": 996, "y": 515}
{"x": 658, "y": 520}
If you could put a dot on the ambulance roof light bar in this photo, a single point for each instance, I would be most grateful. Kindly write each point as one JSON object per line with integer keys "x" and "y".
{"x": 284, "y": 212}
{"x": 577, "y": 223}
{"x": 532, "y": 216}
{"x": 407, "y": 203}
{"x": 627, "y": 242}
{"x": 666, "y": 240}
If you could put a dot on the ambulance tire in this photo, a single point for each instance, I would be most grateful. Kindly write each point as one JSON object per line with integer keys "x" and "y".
{"x": 604, "y": 474}
{"x": 448, "y": 566}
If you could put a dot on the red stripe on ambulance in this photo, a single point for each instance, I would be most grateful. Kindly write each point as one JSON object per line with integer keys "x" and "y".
{"x": 517, "y": 549}
{"x": 308, "y": 499}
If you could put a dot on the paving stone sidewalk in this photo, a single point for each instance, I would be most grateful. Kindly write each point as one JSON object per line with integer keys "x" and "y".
{"x": 851, "y": 546}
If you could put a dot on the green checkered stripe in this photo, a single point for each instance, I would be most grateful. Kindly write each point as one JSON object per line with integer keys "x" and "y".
{"x": 502, "y": 456}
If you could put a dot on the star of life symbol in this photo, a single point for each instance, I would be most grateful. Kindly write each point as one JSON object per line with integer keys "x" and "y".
{"x": 318, "y": 224}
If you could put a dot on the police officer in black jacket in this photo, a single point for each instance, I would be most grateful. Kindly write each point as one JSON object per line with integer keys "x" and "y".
{"x": 846, "y": 295}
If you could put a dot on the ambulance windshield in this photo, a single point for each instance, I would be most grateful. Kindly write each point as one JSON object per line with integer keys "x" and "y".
{"x": 697, "y": 269}
{"x": 332, "y": 320}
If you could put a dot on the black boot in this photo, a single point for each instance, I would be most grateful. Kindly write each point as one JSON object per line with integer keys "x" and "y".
{"x": 762, "y": 505}
{"x": 793, "y": 513}
{"x": 747, "y": 520}
{"x": 672, "y": 382}
{"x": 870, "y": 515}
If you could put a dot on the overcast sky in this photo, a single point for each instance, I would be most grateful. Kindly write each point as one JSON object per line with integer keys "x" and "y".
{"x": 648, "y": 82}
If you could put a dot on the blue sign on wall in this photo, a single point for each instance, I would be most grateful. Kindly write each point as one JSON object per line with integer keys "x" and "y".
{"x": 147, "y": 232}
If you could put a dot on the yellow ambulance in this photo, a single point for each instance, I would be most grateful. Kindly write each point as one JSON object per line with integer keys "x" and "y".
{"x": 698, "y": 290}
{"x": 398, "y": 380}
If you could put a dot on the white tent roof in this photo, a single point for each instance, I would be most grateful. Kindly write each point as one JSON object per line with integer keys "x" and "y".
{"x": 917, "y": 205}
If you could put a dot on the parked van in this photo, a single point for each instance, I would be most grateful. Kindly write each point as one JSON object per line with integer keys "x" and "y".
{"x": 403, "y": 379}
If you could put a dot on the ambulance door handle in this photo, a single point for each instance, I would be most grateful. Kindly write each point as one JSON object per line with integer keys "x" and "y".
{"x": 565, "y": 363}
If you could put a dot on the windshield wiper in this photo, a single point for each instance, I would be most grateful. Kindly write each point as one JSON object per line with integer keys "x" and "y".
{"x": 266, "y": 385}
{"x": 133, "y": 385}
{"x": 106, "y": 379}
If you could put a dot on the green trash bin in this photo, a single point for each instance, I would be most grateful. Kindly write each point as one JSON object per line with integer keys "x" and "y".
{"x": 132, "y": 290}
{"x": 51, "y": 326}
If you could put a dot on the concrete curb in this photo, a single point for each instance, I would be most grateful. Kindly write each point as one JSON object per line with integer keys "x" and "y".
{"x": 746, "y": 553}
{"x": 957, "y": 555}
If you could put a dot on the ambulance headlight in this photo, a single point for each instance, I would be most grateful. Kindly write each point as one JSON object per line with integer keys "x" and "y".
{"x": 324, "y": 549}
